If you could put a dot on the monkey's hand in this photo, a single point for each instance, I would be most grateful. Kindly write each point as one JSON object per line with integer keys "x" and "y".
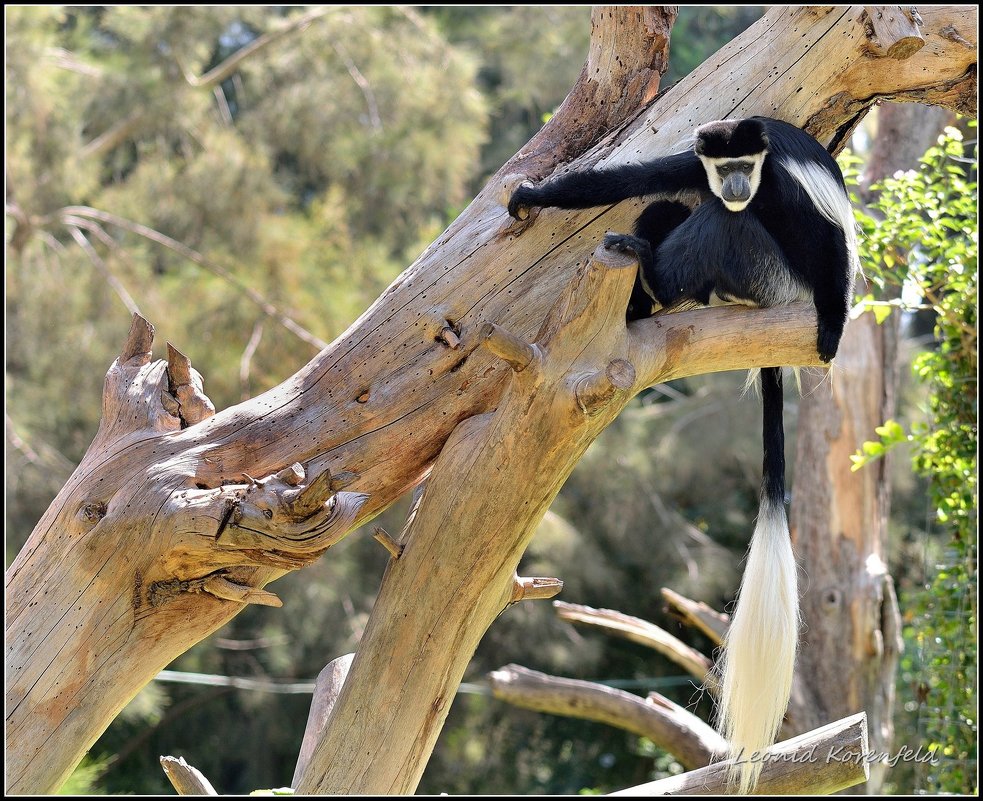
{"x": 523, "y": 199}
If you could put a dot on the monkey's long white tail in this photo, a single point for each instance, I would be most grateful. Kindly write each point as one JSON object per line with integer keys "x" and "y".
{"x": 759, "y": 650}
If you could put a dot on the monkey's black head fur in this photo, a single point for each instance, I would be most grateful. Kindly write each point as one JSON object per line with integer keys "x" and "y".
{"x": 731, "y": 138}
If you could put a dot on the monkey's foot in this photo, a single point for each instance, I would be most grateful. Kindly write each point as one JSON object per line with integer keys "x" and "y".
{"x": 626, "y": 244}
{"x": 827, "y": 343}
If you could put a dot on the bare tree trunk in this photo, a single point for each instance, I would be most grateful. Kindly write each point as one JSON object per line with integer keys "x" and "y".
{"x": 849, "y": 654}
{"x": 162, "y": 533}
{"x": 849, "y": 650}
{"x": 904, "y": 132}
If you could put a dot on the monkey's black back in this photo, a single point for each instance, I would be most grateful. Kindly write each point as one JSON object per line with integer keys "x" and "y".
{"x": 815, "y": 247}
{"x": 728, "y": 254}
{"x": 777, "y": 250}
{"x": 797, "y": 224}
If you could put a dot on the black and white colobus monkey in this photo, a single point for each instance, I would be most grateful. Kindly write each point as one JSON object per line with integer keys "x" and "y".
{"x": 757, "y": 213}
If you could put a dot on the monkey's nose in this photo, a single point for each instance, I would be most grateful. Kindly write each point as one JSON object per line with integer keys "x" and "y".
{"x": 736, "y": 188}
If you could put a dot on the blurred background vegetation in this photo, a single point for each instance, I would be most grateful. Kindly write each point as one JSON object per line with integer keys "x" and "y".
{"x": 143, "y": 175}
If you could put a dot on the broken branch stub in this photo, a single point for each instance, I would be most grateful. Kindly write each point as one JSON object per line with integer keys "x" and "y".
{"x": 185, "y": 778}
{"x": 295, "y": 521}
{"x": 187, "y": 388}
{"x": 894, "y": 31}
{"x": 139, "y": 340}
{"x": 387, "y": 541}
{"x": 596, "y": 390}
{"x": 531, "y": 588}
{"x": 508, "y": 347}
{"x": 132, "y": 392}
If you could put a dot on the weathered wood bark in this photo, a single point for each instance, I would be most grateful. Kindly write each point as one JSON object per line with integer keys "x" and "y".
{"x": 162, "y": 533}
{"x": 818, "y": 762}
{"x": 693, "y": 742}
{"x": 467, "y": 553}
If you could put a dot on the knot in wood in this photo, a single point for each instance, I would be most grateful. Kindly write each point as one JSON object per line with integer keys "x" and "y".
{"x": 595, "y": 391}
{"x": 92, "y": 512}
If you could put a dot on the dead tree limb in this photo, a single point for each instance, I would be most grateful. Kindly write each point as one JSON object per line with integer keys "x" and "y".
{"x": 121, "y": 573}
{"x": 698, "y": 615}
{"x": 327, "y": 687}
{"x": 668, "y": 725}
{"x": 469, "y": 532}
{"x": 640, "y": 631}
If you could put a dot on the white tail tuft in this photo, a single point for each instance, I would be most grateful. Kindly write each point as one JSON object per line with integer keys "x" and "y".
{"x": 759, "y": 650}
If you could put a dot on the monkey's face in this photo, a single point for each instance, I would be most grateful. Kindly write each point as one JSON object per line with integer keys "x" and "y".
{"x": 734, "y": 180}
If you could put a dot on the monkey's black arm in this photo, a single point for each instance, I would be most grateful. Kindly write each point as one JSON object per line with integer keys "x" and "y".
{"x": 583, "y": 190}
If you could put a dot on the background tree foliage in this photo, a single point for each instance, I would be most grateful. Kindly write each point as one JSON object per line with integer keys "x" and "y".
{"x": 313, "y": 173}
{"x": 918, "y": 244}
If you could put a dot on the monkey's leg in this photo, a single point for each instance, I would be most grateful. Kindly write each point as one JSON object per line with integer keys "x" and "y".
{"x": 656, "y": 222}
{"x": 640, "y": 303}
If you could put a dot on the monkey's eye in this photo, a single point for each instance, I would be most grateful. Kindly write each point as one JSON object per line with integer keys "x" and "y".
{"x": 745, "y": 167}
{"x": 725, "y": 169}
